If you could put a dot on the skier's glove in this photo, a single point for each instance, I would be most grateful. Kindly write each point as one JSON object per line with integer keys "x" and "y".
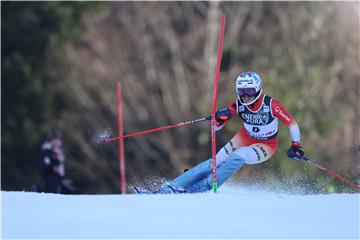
{"x": 222, "y": 115}
{"x": 295, "y": 152}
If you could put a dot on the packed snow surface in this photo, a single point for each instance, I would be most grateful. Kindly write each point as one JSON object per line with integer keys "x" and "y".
{"x": 230, "y": 213}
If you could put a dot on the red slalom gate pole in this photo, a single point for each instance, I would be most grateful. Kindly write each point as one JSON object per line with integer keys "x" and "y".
{"x": 159, "y": 129}
{"x": 331, "y": 173}
{"x": 121, "y": 140}
{"x": 217, "y": 73}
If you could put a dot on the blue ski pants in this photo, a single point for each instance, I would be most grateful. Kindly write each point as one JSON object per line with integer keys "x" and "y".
{"x": 199, "y": 178}
{"x": 239, "y": 151}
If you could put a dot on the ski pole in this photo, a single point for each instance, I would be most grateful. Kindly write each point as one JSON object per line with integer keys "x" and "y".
{"x": 159, "y": 129}
{"x": 330, "y": 172}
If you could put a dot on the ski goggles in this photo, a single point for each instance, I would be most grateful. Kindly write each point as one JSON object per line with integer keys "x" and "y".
{"x": 246, "y": 91}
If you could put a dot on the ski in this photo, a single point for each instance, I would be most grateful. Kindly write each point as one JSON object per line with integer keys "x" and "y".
{"x": 168, "y": 189}
{"x": 139, "y": 190}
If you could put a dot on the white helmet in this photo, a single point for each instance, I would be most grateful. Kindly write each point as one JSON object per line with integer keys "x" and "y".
{"x": 248, "y": 83}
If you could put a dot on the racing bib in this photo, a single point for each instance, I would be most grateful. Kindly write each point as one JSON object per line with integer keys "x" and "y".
{"x": 259, "y": 124}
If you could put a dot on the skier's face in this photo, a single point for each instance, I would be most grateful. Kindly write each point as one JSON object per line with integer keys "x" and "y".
{"x": 247, "y": 94}
{"x": 247, "y": 99}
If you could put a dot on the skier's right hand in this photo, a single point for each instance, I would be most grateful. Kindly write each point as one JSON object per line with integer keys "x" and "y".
{"x": 222, "y": 115}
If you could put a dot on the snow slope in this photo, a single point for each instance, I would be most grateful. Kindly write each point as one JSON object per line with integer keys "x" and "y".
{"x": 231, "y": 213}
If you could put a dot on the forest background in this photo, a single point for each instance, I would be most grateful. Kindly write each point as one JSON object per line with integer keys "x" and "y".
{"x": 60, "y": 62}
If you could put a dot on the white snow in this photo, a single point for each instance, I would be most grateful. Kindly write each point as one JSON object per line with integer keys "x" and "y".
{"x": 230, "y": 213}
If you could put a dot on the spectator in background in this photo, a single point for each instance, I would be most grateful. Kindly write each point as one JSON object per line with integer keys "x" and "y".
{"x": 52, "y": 166}
{"x": 52, "y": 162}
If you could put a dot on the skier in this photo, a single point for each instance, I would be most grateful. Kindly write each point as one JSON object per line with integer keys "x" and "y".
{"x": 254, "y": 143}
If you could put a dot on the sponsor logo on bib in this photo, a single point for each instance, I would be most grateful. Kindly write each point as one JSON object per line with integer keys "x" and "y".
{"x": 255, "y": 119}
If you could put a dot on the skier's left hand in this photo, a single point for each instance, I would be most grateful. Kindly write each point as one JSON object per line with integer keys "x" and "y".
{"x": 295, "y": 152}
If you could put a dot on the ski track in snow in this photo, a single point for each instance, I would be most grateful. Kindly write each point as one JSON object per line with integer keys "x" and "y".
{"x": 231, "y": 213}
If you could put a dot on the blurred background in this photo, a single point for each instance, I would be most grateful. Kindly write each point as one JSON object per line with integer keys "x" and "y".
{"x": 60, "y": 62}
